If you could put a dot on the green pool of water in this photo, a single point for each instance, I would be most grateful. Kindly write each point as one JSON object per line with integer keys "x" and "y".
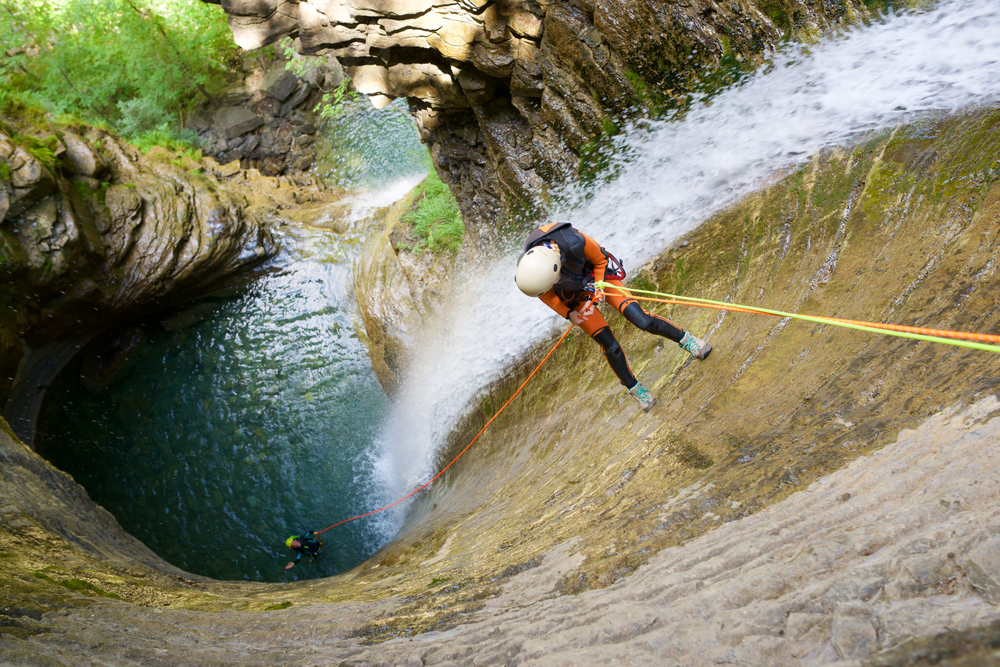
{"x": 227, "y": 435}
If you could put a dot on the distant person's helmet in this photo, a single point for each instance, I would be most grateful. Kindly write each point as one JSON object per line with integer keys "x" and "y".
{"x": 538, "y": 269}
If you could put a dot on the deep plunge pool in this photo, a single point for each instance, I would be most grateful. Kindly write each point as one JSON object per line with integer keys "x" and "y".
{"x": 251, "y": 416}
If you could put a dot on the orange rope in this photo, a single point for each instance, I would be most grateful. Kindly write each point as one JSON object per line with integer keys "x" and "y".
{"x": 940, "y": 333}
{"x": 424, "y": 485}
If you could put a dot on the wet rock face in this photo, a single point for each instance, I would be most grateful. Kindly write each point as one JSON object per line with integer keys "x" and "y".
{"x": 509, "y": 94}
{"x": 397, "y": 292}
{"x": 92, "y": 232}
{"x": 266, "y": 120}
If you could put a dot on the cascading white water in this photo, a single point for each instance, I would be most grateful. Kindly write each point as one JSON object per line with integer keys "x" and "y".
{"x": 672, "y": 175}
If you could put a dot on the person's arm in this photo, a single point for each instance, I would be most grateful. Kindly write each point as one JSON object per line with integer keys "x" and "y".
{"x": 574, "y": 316}
{"x": 595, "y": 253}
{"x": 555, "y": 303}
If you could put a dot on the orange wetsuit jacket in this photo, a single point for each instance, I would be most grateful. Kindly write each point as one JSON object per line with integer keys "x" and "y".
{"x": 583, "y": 262}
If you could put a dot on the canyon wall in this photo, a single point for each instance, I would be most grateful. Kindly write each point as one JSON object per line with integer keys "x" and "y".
{"x": 806, "y": 495}
{"x": 95, "y": 233}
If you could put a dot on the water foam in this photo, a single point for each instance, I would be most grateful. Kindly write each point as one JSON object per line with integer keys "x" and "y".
{"x": 674, "y": 175}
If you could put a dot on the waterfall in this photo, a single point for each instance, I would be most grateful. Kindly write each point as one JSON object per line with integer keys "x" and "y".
{"x": 670, "y": 175}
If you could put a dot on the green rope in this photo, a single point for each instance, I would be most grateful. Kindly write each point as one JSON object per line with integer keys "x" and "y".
{"x": 902, "y": 334}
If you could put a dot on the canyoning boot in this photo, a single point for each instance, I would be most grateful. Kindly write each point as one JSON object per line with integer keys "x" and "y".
{"x": 644, "y": 396}
{"x": 698, "y": 348}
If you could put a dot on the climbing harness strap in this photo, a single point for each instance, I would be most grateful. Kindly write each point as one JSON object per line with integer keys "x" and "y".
{"x": 426, "y": 484}
{"x": 976, "y": 341}
{"x": 615, "y": 269}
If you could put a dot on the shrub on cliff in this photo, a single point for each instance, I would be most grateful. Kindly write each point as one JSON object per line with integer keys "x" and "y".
{"x": 435, "y": 217}
{"x": 133, "y": 65}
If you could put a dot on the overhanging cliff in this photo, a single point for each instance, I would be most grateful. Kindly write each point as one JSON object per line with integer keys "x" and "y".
{"x": 513, "y": 97}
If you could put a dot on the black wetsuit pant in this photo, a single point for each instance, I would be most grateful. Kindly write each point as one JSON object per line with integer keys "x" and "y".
{"x": 648, "y": 322}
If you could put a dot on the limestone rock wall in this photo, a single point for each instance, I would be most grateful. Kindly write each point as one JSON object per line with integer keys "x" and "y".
{"x": 398, "y": 292}
{"x": 510, "y": 95}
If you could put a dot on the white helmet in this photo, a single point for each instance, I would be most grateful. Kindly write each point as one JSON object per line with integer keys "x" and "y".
{"x": 538, "y": 269}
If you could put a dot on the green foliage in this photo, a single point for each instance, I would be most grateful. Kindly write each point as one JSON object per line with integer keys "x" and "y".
{"x": 281, "y": 605}
{"x": 133, "y": 65}
{"x": 5, "y": 172}
{"x": 44, "y": 150}
{"x": 184, "y": 142}
{"x": 436, "y": 580}
{"x": 435, "y": 217}
{"x": 332, "y": 103}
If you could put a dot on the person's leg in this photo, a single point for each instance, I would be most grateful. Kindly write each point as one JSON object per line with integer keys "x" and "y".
{"x": 601, "y": 332}
{"x": 653, "y": 323}
{"x": 615, "y": 356}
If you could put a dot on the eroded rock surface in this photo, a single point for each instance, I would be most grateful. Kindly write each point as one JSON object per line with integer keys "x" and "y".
{"x": 510, "y": 95}
{"x": 865, "y": 559}
{"x": 94, "y": 233}
{"x": 266, "y": 119}
{"x": 398, "y": 292}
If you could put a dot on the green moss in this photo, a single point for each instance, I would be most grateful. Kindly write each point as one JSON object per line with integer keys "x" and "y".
{"x": 437, "y": 581}
{"x": 681, "y": 274}
{"x": 435, "y": 217}
{"x": 5, "y": 172}
{"x": 44, "y": 150}
{"x": 690, "y": 456}
{"x": 78, "y": 585}
{"x": 651, "y": 98}
{"x": 596, "y": 155}
{"x": 87, "y": 588}
{"x": 640, "y": 281}
{"x": 777, "y": 15}
{"x": 277, "y": 607}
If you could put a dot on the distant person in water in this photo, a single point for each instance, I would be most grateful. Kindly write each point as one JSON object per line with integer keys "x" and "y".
{"x": 304, "y": 545}
{"x": 560, "y": 265}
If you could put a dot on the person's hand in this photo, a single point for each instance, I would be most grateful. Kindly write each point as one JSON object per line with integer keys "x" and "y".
{"x": 577, "y": 316}
{"x": 290, "y": 566}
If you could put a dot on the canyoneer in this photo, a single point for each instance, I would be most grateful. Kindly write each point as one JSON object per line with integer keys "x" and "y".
{"x": 307, "y": 545}
{"x": 560, "y": 265}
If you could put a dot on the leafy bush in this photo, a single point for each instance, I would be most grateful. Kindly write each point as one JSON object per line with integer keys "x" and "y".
{"x": 435, "y": 217}
{"x": 183, "y": 141}
{"x": 332, "y": 103}
{"x": 133, "y": 65}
